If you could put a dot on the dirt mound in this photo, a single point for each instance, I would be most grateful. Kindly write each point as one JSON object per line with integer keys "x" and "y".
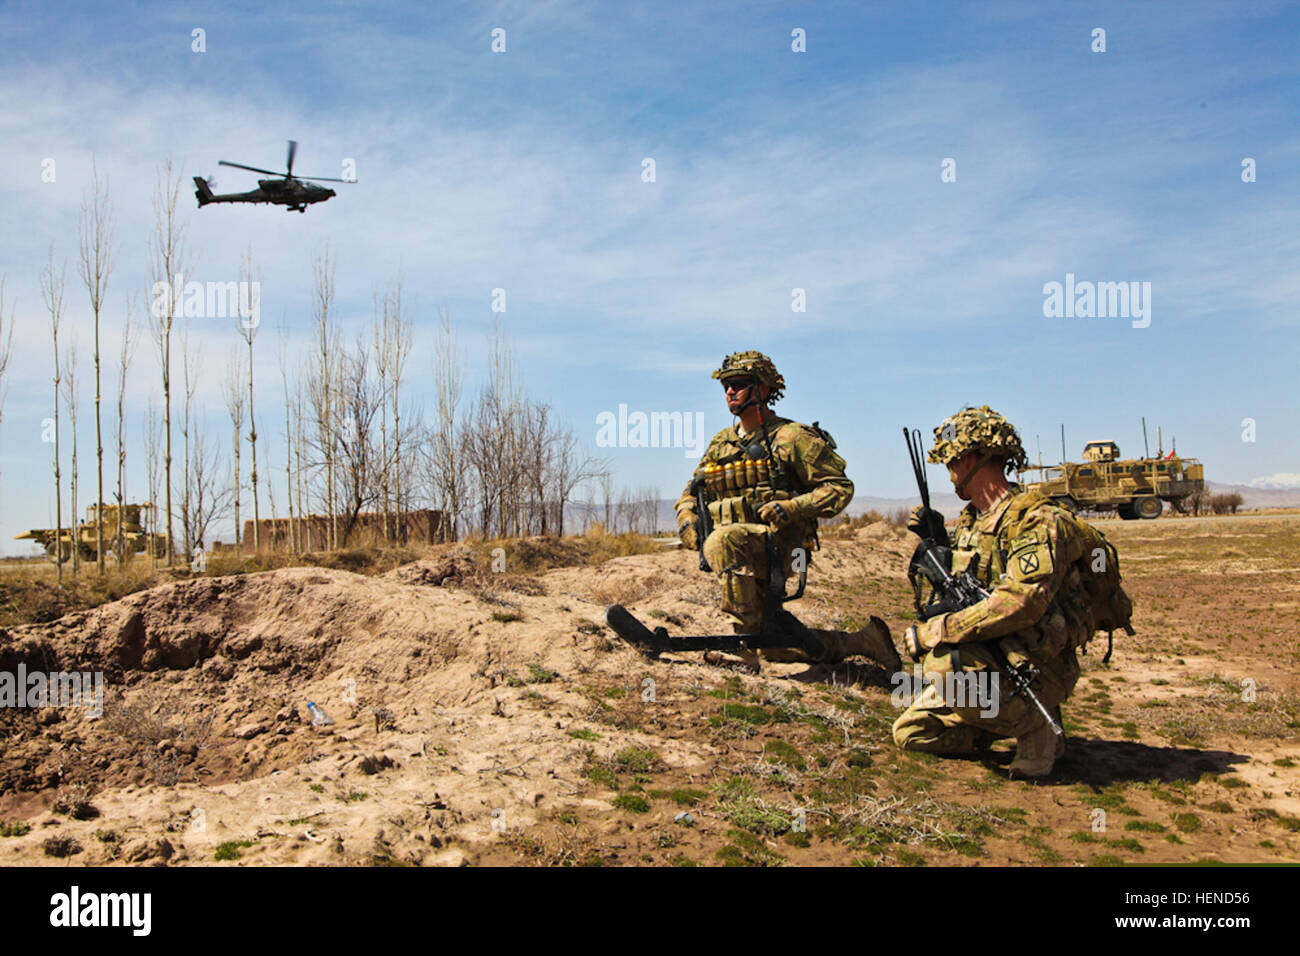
{"x": 457, "y": 566}
{"x": 477, "y": 715}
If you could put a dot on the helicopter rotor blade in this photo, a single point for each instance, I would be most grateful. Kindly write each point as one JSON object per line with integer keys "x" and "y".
{"x": 252, "y": 169}
{"x": 325, "y": 179}
{"x": 293, "y": 149}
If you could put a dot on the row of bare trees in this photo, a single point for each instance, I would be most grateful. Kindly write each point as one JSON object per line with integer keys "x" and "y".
{"x": 505, "y": 466}
{"x": 1203, "y": 502}
{"x": 204, "y": 494}
{"x": 498, "y": 464}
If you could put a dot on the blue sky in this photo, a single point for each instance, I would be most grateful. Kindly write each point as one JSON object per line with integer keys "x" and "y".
{"x": 775, "y": 170}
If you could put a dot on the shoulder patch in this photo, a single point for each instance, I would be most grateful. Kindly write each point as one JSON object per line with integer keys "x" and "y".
{"x": 1030, "y": 539}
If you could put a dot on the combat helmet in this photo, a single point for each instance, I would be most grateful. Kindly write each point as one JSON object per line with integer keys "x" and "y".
{"x": 756, "y": 365}
{"x": 981, "y": 430}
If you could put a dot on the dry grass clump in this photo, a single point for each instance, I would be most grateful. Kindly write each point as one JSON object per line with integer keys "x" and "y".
{"x": 167, "y": 733}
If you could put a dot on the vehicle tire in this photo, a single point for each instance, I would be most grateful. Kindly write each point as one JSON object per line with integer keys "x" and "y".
{"x": 1148, "y": 507}
{"x": 51, "y": 551}
{"x": 1126, "y": 512}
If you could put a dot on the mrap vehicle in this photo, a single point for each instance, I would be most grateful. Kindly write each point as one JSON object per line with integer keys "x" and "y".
{"x": 1132, "y": 487}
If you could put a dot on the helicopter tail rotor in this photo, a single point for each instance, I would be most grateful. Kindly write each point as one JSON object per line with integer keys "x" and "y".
{"x": 203, "y": 191}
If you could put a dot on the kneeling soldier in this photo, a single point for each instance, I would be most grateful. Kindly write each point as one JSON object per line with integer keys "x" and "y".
{"x": 769, "y": 475}
{"x": 1026, "y": 552}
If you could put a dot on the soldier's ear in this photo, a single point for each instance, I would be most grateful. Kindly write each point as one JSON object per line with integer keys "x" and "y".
{"x": 764, "y": 390}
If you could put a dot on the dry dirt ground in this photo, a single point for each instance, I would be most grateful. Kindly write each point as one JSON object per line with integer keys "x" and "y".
{"x": 485, "y": 718}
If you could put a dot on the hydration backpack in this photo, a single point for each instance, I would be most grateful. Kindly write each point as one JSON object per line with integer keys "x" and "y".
{"x": 1098, "y": 568}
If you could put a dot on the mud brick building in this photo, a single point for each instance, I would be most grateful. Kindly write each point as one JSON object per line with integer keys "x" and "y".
{"x": 413, "y": 527}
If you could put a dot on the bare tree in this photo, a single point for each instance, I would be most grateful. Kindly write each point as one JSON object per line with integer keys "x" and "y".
{"x": 504, "y": 401}
{"x": 380, "y": 331}
{"x": 248, "y": 331}
{"x": 321, "y": 386}
{"x": 397, "y": 340}
{"x": 535, "y": 459}
{"x": 299, "y": 416}
{"x": 52, "y": 293}
{"x": 169, "y": 266}
{"x": 624, "y": 510}
{"x": 446, "y": 465}
{"x": 606, "y": 482}
{"x": 359, "y": 402}
{"x": 234, "y": 392}
{"x": 207, "y": 494}
{"x": 70, "y": 400}
{"x": 293, "y": 545}
{"x": 189, "y": 382}
{"x": 96, "y": 248}
{"x": 152, "y": 441}
{"x": 570, "y": 467}
{"x": 275, "y": 515}
{"x": 124, "y": 364}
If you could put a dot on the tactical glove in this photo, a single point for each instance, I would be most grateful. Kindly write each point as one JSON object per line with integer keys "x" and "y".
{"x": 926, "y": 523}
{"x": 778, "y": 514}
{"x": 690, "y": 537}
{"x": 921, "y": 638}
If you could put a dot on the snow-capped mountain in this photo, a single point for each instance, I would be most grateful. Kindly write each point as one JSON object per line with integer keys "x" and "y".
{"x": 1283, "y": 481}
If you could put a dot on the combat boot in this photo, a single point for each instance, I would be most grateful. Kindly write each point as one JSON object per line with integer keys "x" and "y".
{"x": 872, "y": 642}
{"x": 1035, "y": 753}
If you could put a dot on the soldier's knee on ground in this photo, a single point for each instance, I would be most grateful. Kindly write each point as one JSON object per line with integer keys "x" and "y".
{"x": 927, "y": 733}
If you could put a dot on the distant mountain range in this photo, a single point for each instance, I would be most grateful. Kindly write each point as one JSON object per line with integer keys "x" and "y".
{"x": 1255, "y": 496}
{"x": 1279, "y": 482}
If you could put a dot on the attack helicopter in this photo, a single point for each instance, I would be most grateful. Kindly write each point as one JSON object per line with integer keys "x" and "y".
{"x": 293, "y": 192}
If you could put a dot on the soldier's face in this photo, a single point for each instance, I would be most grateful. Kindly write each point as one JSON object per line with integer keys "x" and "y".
{"x": 958, "y": 469}
{"x": 738, "y": 391}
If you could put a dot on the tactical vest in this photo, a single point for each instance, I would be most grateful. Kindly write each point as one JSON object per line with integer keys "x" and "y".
{"x": 1069, "y": 619}
{"x": 738, "y": 484}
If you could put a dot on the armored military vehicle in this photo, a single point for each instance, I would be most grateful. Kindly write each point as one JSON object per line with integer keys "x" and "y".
{"x": 135, "y": 538}
{"x": 1132, "y": 487}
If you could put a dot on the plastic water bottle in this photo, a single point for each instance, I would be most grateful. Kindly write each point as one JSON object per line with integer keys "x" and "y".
{"x": 318, "y": 716}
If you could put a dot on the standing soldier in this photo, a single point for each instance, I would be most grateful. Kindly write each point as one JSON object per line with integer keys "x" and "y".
{"x": 1049, "y": 590}
{"x": 769, "y": 475}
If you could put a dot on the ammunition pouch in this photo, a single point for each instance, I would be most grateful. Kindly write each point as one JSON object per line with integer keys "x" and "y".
{"x": 737, "y": 509}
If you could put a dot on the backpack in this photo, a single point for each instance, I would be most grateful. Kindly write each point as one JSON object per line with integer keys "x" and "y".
{"x": 1098, "y": 568}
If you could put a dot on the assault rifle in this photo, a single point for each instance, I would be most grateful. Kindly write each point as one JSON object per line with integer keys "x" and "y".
{"x": 703, "y": 520}
{"x": 953, "y": 592}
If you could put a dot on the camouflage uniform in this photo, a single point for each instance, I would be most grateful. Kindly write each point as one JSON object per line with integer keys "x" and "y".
{"x": 1024, "y": 550}
{"x": 817, "y": 488}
